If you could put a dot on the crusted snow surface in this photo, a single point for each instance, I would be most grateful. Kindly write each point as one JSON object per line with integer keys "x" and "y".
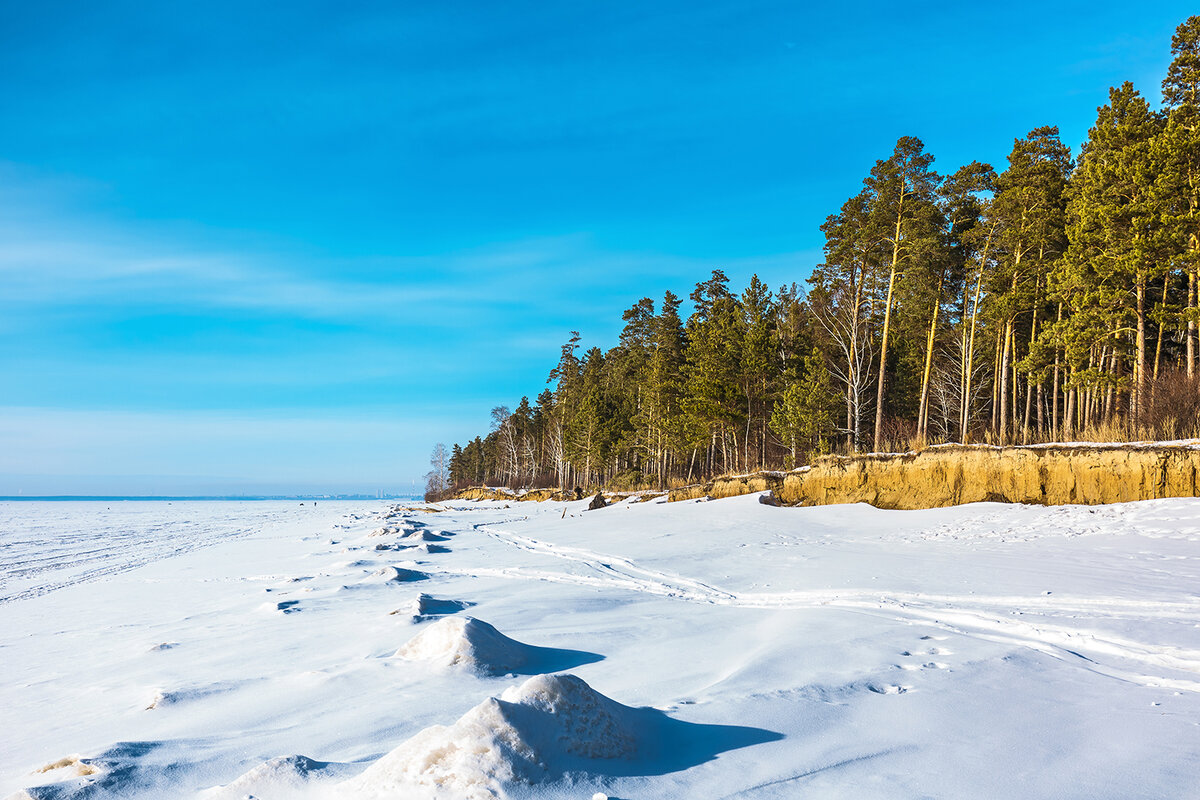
{"x": 538, "y": 730}
{"x": 470, "y": 644}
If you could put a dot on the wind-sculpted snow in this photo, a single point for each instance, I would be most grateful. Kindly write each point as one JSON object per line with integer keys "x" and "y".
{"x": 392, "y": 574}
{"x": 546, "y": 728}
{"x": 474, "y": 645}
{"x": 743, "y": 651}
{"x": 281, "y": 777}
{"x": 424, "y": 607}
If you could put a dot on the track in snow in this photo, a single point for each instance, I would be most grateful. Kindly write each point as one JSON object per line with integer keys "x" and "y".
{"x": 1000, "y": 619}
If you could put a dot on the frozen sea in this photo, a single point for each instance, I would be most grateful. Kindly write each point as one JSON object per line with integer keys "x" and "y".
{"x": 722, "y": 649}
{"x": 48, "y": 545}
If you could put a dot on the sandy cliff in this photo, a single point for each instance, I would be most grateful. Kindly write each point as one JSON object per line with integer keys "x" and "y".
{"x": 947, "y": 475}
{"x": 953, "y": 474}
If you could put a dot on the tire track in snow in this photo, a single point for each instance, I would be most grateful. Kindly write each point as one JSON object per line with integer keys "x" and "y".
{"x": 623, "y": 570}
{"x": 980, "y": 617}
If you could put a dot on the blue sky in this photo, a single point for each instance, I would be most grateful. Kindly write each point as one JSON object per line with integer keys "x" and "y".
{"x": 253, "y": 246}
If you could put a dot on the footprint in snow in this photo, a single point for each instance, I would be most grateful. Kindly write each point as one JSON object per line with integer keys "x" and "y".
{"x": 887, "y": 688}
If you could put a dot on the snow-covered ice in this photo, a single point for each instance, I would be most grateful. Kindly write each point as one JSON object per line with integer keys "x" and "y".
{"x": 723, "y": 649}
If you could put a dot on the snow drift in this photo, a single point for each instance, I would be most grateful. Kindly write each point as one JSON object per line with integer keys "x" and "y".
{"x": 278, "y": 778}
{"x": 470, "y": 644}
{"x": 474, "y": 646}
{"x": 425, "y": 607}
{"x": 549, "y": 725}
{"x": 395, "y": 575}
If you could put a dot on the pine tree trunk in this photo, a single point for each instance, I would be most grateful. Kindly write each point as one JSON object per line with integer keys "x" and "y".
{"x": 923, "y": 410}
{"x": 1054, "y": 418}
{"x": 1161, "y": 326}
{"x": 883, "y": 348}
{"x": 746, "y": 443}
{"x": 1191, "y": 326}
{"x": 997, "y": 379}
{"x": 1004, "y": 364}
{"x": 969, "y": 369}
{"x": 1029, "y": 389}
{"x": 1041, "y": 409}
{"x": 1110, "y": 393}
{"x": 1069, "y": 416}
{"x": 1140, "y": 376}
{"x": 1014, "y": 383}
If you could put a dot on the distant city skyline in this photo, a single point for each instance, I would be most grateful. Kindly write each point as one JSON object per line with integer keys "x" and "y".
{"x": 246, "y": 248}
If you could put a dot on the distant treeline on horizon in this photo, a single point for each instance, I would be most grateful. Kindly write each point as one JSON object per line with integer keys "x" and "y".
{"x": 1054, "y": 300}
{"x": 185, "y": 497}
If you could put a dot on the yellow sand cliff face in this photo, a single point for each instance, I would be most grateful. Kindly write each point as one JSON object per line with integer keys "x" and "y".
{"x": 952, "y": 474}
{"x": 731, "y": 487}
{"x": 948, "y": 475}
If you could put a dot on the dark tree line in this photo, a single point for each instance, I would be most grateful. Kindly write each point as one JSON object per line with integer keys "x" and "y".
{"x": 1055, "y": 299}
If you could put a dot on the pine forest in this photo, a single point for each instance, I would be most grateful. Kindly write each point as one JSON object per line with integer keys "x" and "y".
{"x": 1053, "y": 299}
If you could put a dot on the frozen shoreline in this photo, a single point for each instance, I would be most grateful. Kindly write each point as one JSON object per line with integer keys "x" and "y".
{"x": 977, "y": 651}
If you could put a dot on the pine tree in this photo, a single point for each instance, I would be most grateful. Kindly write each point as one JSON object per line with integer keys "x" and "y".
{"x": 902, "y": 192}
{"x": 942, "y": 272}
{"x": 458, "y": 473}
{"x": 565, "y": 377}
{"x": 970, "y": 252}
{"x": 758, "y": 361}
{"x": 1177, "y": 152}
{"x": 589, "y": 428}
{"x": 627, "y": 365}
{"x": 1030, "y": 211}
{"x": 711, "y": 396}
{"x": 803, "y": 417}
{"x": 1115, "y": 232}
{"x": 659, "y": 413}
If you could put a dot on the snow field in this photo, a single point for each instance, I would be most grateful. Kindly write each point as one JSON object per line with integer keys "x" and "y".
{"x": 740, "y": 651}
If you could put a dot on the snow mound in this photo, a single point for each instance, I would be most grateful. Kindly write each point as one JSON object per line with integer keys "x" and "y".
{"x": 282, "y": 777}
{"x": 424, "y": 536}
{"x": 395, "y": 575}
{"x": 424, "y": 607}
{"x": 468, "y": 643}
{"x": 537, "y": 731}
{"x": 423, "y": 548}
